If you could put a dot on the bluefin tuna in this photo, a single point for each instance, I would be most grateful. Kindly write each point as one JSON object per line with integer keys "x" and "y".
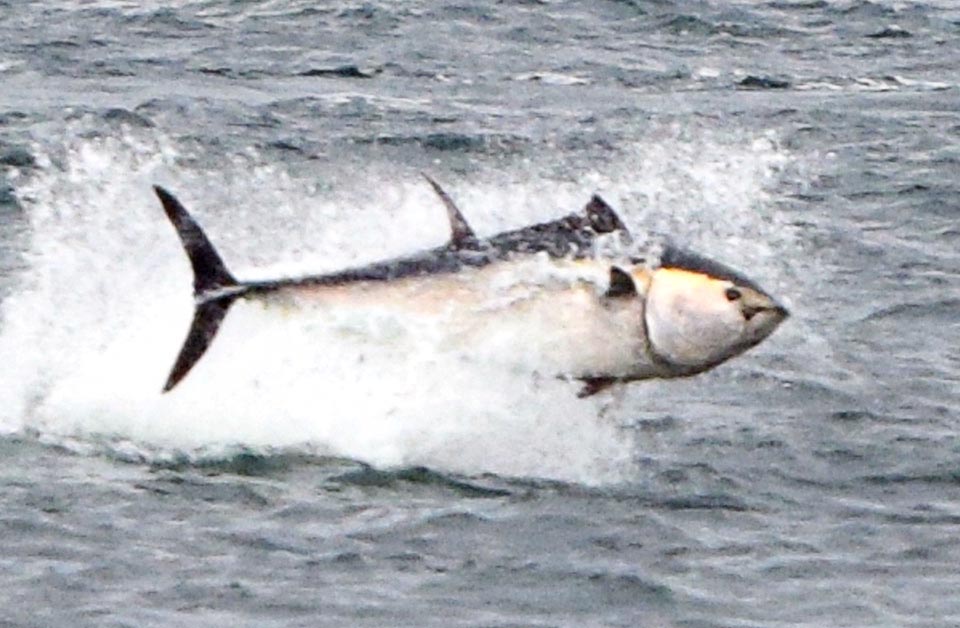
{"x": 596, "y": 316}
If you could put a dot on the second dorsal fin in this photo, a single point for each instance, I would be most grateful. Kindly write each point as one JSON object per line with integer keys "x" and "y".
{"x": 461, "y": 235}
{"x": 603, "y": 218}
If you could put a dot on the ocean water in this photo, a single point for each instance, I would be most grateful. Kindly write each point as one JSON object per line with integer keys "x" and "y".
{"x": 812, "y": 144}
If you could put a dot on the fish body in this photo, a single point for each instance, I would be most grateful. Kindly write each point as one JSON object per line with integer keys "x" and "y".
{"x": 545, "y": 313}
{"x": 551, "y": 295}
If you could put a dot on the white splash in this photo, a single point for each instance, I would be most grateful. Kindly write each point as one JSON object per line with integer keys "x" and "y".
{"x": 105, "y": 303}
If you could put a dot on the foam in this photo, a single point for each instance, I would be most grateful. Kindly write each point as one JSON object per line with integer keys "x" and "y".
{"x": 105, "y": 302}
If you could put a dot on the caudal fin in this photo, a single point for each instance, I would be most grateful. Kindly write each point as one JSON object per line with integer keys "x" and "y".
{"x": 214, "y": 288}
{"x": 206, "y": 321}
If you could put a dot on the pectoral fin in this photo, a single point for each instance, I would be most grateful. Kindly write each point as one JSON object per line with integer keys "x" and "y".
{"x": 621, "y": 284}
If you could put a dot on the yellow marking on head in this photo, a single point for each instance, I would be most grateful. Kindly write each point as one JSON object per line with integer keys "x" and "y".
{"x": 690, "y": 279}
{"x": 642, "y": 276}
{"x": 583, "y": 262}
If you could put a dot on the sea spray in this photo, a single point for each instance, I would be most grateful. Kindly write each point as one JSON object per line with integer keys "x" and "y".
{"x": 105, "y": 301}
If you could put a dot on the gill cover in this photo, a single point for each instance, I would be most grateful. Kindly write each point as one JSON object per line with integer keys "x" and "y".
{"x": 700, "y": 313}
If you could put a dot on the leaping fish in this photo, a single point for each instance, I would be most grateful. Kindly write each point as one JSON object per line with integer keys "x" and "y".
{"x": 603, "y": 319}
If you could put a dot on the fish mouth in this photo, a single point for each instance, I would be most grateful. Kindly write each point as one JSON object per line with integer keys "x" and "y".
{"x": 778, "y": 312}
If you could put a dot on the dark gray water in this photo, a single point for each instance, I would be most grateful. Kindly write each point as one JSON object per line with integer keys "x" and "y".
{"x": 814, "y": 144}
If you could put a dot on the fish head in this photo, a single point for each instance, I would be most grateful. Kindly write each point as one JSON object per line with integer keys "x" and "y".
{"x": 699, "y": 313}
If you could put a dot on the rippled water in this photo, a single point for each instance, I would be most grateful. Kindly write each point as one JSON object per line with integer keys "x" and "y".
{"x": 814, "y": 481}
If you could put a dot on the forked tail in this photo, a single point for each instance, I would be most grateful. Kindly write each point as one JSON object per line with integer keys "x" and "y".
{"x": 214, "y": 288}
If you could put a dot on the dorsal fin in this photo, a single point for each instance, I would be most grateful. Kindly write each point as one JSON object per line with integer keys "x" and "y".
{"x": 621, "y": 284}
{"x": 461, "y": 235}
{"x": 603, "y": 218}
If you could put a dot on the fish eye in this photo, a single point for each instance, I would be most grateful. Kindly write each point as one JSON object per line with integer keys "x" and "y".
{"x": 733, "y": 294}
